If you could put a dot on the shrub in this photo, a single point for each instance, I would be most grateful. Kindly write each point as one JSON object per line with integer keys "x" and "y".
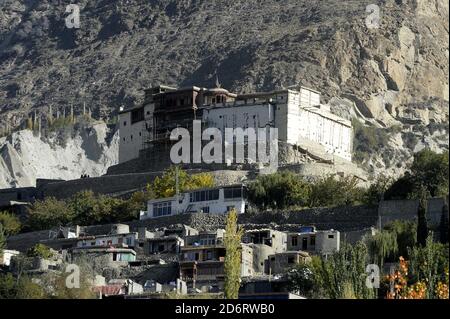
{"x": 10, "y": 223}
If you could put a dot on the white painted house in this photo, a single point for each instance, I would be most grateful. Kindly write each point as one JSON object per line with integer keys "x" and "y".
{"x": 217, "y": 200}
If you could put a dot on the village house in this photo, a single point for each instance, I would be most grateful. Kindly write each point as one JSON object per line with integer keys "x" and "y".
{"x": 217, "y": 200}
{"x": 318, "y": 242}
{"x": 170, "y": 244}
{"x": 264, "y": 243}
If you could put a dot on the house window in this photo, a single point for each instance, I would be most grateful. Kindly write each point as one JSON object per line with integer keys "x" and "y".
{"x": 312, "y": 240}
{"x": 124, "y": 123}
{"x": 162, "y": 209}
{"x": 330, "y": 236}
{"x": 202, "y": 196}
{"x": 129, "y": 241}
{"x": 233, "y": 192}
{"x": 294, "y": 241}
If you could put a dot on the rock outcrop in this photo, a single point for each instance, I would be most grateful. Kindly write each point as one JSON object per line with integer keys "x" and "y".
{"x": 25, "y": 155}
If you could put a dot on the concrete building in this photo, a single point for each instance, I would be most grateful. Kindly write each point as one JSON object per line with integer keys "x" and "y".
{"x": 163, "y": 245}
{"x": 313, "y": 241}
{"x": 300, "y": 117}
{"x": 264, "y": 243}
{"x": 281, "y": 262}
{"x": 107, "y": 256}
{"x": 218, "y": 200}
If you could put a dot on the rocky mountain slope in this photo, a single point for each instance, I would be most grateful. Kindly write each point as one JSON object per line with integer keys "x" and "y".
{"x": 25, "y": 155}
{"x": 393, "y": 78}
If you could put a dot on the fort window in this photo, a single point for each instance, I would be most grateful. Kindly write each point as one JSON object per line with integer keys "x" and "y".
{"x": 137, "y": 115}
{"x": 294, "y": 241}
{"x": 330, "y": 236}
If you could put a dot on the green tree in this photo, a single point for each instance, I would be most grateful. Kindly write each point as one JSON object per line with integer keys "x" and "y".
{"x": 443, "y": 227}
{"x": 41, "y": 251}
{"x": 343, "y": 273}
{"x": 11, "y": 223}
{"x": 279, "y": 190}
{"x": 232, "y": 263}
{"x": 382, "y": 245}
{"x": 376, "y": 191}
{"x": 2, "y": 240}
{"x": 49, "y": 213}
{"x": 301, "y": 280}
{"x": 422, "y": 226}
{"x": 332, "y": 191}
{"x": 406, "y": 234}
{"x": 19, "y": 288}
{"x": 431, "y": 170}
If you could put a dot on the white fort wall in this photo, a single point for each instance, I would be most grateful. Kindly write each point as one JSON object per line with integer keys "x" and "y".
{"x": 299, "y": 116}
{"x": 133, "y": 135}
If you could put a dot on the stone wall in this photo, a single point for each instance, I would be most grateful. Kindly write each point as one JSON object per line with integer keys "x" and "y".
{"x": 407, "y": 210}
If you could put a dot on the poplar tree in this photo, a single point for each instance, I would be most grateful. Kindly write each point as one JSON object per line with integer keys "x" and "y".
{"x": 232, "y": 264}
{"x": 422, "y": 227}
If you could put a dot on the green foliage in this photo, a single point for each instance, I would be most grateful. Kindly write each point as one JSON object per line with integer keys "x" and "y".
{"x": 429, "y": 263}
{"x": 19, "y": 288}
{"x": 301, "y": 279}
{"x": 376, "y": 191}
{"x": 367, "y": 140}
{"x": 342, "y": 275}
{"x": 49, "y": 213}
{"x": 286, "y": 189}
{"x": 2, "y": 240}
{"x": 429, "y": 171}
{"x": 10, "y": 223}
{"x": 279, "y": 191}
{"x": 382, "y": 245}
{"x": 406, "y": 234}
{"x": 422, "y": 225}
{"x": 331, "y": 191}
{"x": 232, "y": 263}
{"x": 443, "y": 227}
{"x": 165, "y": 186}
{"x": 41, "y": 251}
{"x": 84, "y": 208}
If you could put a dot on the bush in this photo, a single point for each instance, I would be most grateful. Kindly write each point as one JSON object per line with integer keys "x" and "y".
{"x": 41, "y": 251}
{"x": 367, "y": 140}
{"x": 331, "y": 191}
{"x": 10, "y": 223}
{"x": 279, "y": 190}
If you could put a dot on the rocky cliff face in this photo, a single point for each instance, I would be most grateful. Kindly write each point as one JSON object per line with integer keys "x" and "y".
{"x": 393, "y": 78}
{"x": 25, "y": 155}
